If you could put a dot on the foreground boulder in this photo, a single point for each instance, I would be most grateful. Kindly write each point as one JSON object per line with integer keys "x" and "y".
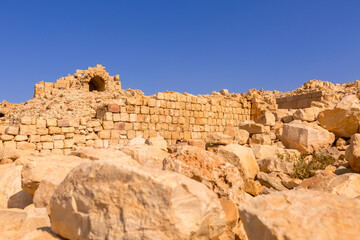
{"x": 218, "y": 175}
{"x": 344, "y": 119}
{"x": 301, "y": 214}
{"x": 305, "y": 137}
{"x": 40, "y": 167}
{"x": 11, "y": 193}
{"x": 352, "y": 153}
{"x": 107, "y": 200}
{"x": 241, "y": 157}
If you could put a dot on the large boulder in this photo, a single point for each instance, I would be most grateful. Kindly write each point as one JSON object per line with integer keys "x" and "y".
{"x": 253, "y": 127}
{"x": 352, "y": 153}
{"x": 11, "y": 193}
{"x": 28, "y": 224}
{"x": 267, "y": 119}
{"x": 241, "y": 157}
{"x": 218, "y": 175}
{"x": 218, "y": 139}
{"x": 40, "y": 167}
{"x": 344, "y": 119}
{"x": 305, "y": 137}
{"x": 347, "y": 185}
{"x": 146, "y": 155}
{"x": 307, "y": 114}
{"x": 301, "y": 214}
{"x": 158, "y": 142}
{"x": 108, "y": 200}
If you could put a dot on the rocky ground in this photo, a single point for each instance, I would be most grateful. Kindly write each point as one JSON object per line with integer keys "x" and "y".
{"x": 292, "y": 174}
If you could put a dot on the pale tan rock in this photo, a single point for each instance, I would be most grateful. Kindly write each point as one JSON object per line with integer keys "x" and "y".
{"x": 252, "y": 187}
{"x": 306, "y": 114}
{"x": 352, "y": 153}
{"x": 40, "y": 167}
{"x": 11, "y": 153}
{"x": 145, "y": 155}
{"x": 136, "y": 141}
{"x": 160, "y": 205}
{"x": 253, "y": 127}
{"x": 306, "y": 138}
{"x": 344, "y": 119}
{"x": 301, "y": 214}
{"x": 11, "y": 194}
{"x": 264, "y": 151}
{"x": 241, "y": 136}
{"x": 197, "y": 143}
{"x": 158, "y": 142}
{"x": 218, "y": 175}
{"x": 263, "y": 139}
{"x": 267, "y": 119}
{"x": 241, "y": 157}
{"x": 218, "y": 139}
{"x": 270, "y": 180}
{"x": 269, "y": 165}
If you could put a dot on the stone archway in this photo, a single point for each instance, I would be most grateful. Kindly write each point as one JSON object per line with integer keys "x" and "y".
{"x": 96, "y": 84}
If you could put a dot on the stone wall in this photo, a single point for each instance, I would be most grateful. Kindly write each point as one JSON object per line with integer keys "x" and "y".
{"x": 169, "y": 114}
{"x": 299, "y": 101}
{"x": 94, "y": 78}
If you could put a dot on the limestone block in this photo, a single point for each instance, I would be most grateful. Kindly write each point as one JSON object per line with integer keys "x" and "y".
{"x": 43, "y": 131}
{"x": 67, "y": 129}
{"x": 108, "y": 116}
{"x": 68, "y": 143}
{"x": 58, "y": 144}
{"x": 47, "y": 145}
{"x": 26, "y": 120}
{"x": 104, "y": 134}
{"x": 51, "y": 122}
{"x": 27, "y": 129}
{"x": 46, "y": 138}
{"x": 12, "y": 130}
{"x": 63, "y": 123}
{"x": 40, "y": 123}
{"x": 20, "y": 138}
{"x": 54, "y": 130}
{"x": 113, "y": 108}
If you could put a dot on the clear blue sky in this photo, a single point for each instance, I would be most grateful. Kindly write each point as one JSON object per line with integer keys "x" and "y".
{"x": 194, "y": 46}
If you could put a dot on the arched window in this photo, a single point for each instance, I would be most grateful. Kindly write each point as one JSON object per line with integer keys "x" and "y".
{"x": 96, "y": 84}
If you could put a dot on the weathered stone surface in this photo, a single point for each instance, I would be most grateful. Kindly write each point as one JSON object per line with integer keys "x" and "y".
{"x": 158, "y": 142}
{"x": 218, "y": 139}
{"x": 270, "y": 181}
{"x": 241, "y": 136}
{"x": 264, "y": 151}
{"x": 263, "y": 139}
{"x": 144, "y": 204}
{"x": 40, "y": 167}
{"x": 253, "y": 127}
{"x": 306, "y": 114}
{"x": 344, "y": 119}
{"x": 269, "y": 165}
{"x": 221, "y": 177}
{"x": 352, "y": 153}
{"x": 267, "y": 119}
{"x": 301, "y": 214}
{"x": 11, "y": 194}
{"x": 29, "y": 224}
{"x": 252, "y": 187}
{"x": 197, "y": 143}
{"x": 241, "y": 157}
{"x": 145, "y": 155}
{"x": 136, "y": 141}
{"x": 306, "y": 138}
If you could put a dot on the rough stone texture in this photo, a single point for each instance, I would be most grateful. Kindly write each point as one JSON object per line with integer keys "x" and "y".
{"x": 241, "y": 157}
{"x": 218, "y": 139}
{"x": 301, "y": 214}
{"x": 270, "y": 181}
{"x": 352, "y": 153}
{"x": 158, "y": 142}
{"x": 306, "y": 114}
{"x": 267, "y": 119}
{"x": 263, "y": 139}
{"x": 11, "y": 193}
{"x": 136, "y": 141}
{"x": 221, "y": 177}
{"x": 145, "y": 155}
{"x": 264, "y": 151}
{"x": 40, "y": 167}
{"x": 143, "y": 204}
{"x": 344, "y": 119}
{"x": 306, "y": 138}
{"x": 253, "y": 127}
{"x": 253, "y": 187}
{"x": 241, "y": 136}
{"x": 268, "y": 165}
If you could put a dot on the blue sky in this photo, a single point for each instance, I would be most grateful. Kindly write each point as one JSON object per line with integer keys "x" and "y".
{"x": 195, "y": 46}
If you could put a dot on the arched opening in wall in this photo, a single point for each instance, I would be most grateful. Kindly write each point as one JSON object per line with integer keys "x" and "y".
{"x": 2, "y": 115}
{"x": 97, "y": 84}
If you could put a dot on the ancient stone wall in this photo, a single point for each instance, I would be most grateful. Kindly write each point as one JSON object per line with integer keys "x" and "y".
{"x": 95, "y": 78}
{"x": 169, "y": 114}
{"x": 299, "y": 101}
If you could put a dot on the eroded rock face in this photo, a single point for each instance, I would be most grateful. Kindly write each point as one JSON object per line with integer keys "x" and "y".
{"x": 40, "y": 167}
{"x": 105, "y": 199}
{"x": 218, "y": 139}
{"x": 301, "y": 214}
{"x": 267, "y": 119}
{"x": 344, "y": 119}
{"x": 306, "y": 138}
{"x": 221, "y": 177}
{"x": 352, "y": 153}
{"x": 241, "y": 157}
{"x": 11, "y": 193}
